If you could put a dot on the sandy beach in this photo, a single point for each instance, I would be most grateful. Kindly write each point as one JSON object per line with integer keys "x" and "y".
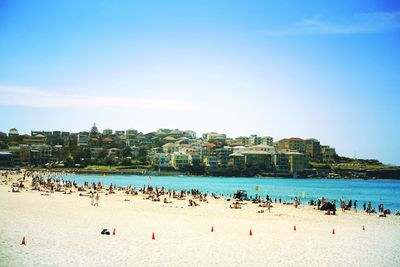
{"x": 64, "y": 230}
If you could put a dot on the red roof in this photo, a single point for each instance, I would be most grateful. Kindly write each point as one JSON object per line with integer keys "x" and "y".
{"x": 237, "y": 144}
{"x": 107, "y": 140}
{"x": 209, "y": 145}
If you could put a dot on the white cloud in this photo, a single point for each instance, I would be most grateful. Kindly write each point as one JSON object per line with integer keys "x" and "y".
{"x": 39, "y": 98}
{"x": 358, "y": 23}
{"x": 372, "y": 22}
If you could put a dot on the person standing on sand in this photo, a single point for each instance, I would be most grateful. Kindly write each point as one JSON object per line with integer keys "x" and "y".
{"x": 97, "y": 199}
{"x": 91, "y": 198}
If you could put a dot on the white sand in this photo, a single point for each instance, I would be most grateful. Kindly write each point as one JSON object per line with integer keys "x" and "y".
{"x": 64, "y": 230}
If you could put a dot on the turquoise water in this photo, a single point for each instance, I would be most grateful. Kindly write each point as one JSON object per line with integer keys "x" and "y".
{"x": 376, "y": 191}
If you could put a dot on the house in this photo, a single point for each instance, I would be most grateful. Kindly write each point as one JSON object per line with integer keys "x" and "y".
{"x": 179, "y": 160}
{"x": 210, "y": 161}
{"x": 170, "y": 148}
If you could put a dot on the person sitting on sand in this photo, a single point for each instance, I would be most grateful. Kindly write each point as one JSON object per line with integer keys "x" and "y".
{"x": 192, "y": 203}
{"x": 235, "y": 205}
{"x": 15, "y": 190}
{"x": 330, "y": 208}
{"x": 167, "y": 202}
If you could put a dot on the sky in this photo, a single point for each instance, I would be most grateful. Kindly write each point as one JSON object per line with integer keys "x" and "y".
{"x": 279, "y": 68}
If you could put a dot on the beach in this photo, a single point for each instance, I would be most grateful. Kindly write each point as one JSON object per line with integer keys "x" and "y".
{"x": 64, "y": 230}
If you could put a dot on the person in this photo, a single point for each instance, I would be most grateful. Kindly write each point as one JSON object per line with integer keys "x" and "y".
{"x": 97, "y": 199}
{"x": 355, "y": 205}
{"x": 369, "y": 209}
{"x": 235, "y": 205}
{"x": 364, "y": 206}
{"x": 91, "y": 198}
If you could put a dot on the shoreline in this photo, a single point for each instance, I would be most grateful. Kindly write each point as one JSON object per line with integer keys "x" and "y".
{"x": 138, "y": 173}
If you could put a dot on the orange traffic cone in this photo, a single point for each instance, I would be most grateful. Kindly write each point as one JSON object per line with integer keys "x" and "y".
{"x": 114, "y": 232}
{"x": 294, "y": 228}
{"x": 363, "y": 228}
{"x": 23, "y": 241}
{"x": 153, "y": 236}
{"x": 333, "y": 231}
{"x": 251, "y": 232}
{"x": 212, "y": 228}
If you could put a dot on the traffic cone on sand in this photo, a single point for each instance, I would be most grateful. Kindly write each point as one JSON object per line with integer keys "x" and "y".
{"x": 153, "y": 237}
{"x": 212, "y": 228}
{"x": 294, "y": 228}
{"x": 23, "y": 241}
{"x": 333, "y": 231}
{"x": 251, "y": 232}
{"x": 114, "y": 231}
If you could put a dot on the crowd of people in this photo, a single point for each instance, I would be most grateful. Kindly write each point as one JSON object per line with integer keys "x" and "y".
{"x": 51, "y": 182}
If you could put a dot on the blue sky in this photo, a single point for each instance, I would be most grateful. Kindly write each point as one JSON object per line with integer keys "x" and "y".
{"x": 311, "y": 69}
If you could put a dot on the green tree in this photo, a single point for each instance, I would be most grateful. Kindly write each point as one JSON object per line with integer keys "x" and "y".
{"x": 126, "y": 152}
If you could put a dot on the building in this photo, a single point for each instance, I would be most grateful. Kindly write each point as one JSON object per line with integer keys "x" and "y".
{"x": 13, "y": 132}
{"x": 253, "y": 140}
{"x": 223, "y": 156}
{"x": 170, "y": 148}
{"x": 119, "y": 132}
{"x": 39, "y": 154}
{"x": 6, "y": 159}
{"x": 237, "y": 160}
{"x": 131, "y": 137}
{"x": 195, "y": 159}
{"x": 292, "y": 144}
{"x": 65, "y": 134}
{"x": 56, "y": 133}
{"x": 163, "y": 160}
{"x": 328, "y": 154}
{"x": 265, "y": 148}
{"x": 210, "y": 161}
{"x": 36, "y": 139}
{"x": 83, "y": 139}
{"x": 243, "y": 140}
{"x": 214, "y": 137}
{"x": 313, "y": 148}
{"x": 179, "y": 160}
{"x": 107, "y": 132}
{"x": 297, "y": 162}
{"x": 189, "y": 134}
{"x": 258, "y": 159}
{"x": 281, "y": 164}
{"x": 266, "y": 140}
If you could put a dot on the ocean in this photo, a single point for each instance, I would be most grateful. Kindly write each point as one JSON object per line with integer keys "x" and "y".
{"x": 386, "y": 192}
